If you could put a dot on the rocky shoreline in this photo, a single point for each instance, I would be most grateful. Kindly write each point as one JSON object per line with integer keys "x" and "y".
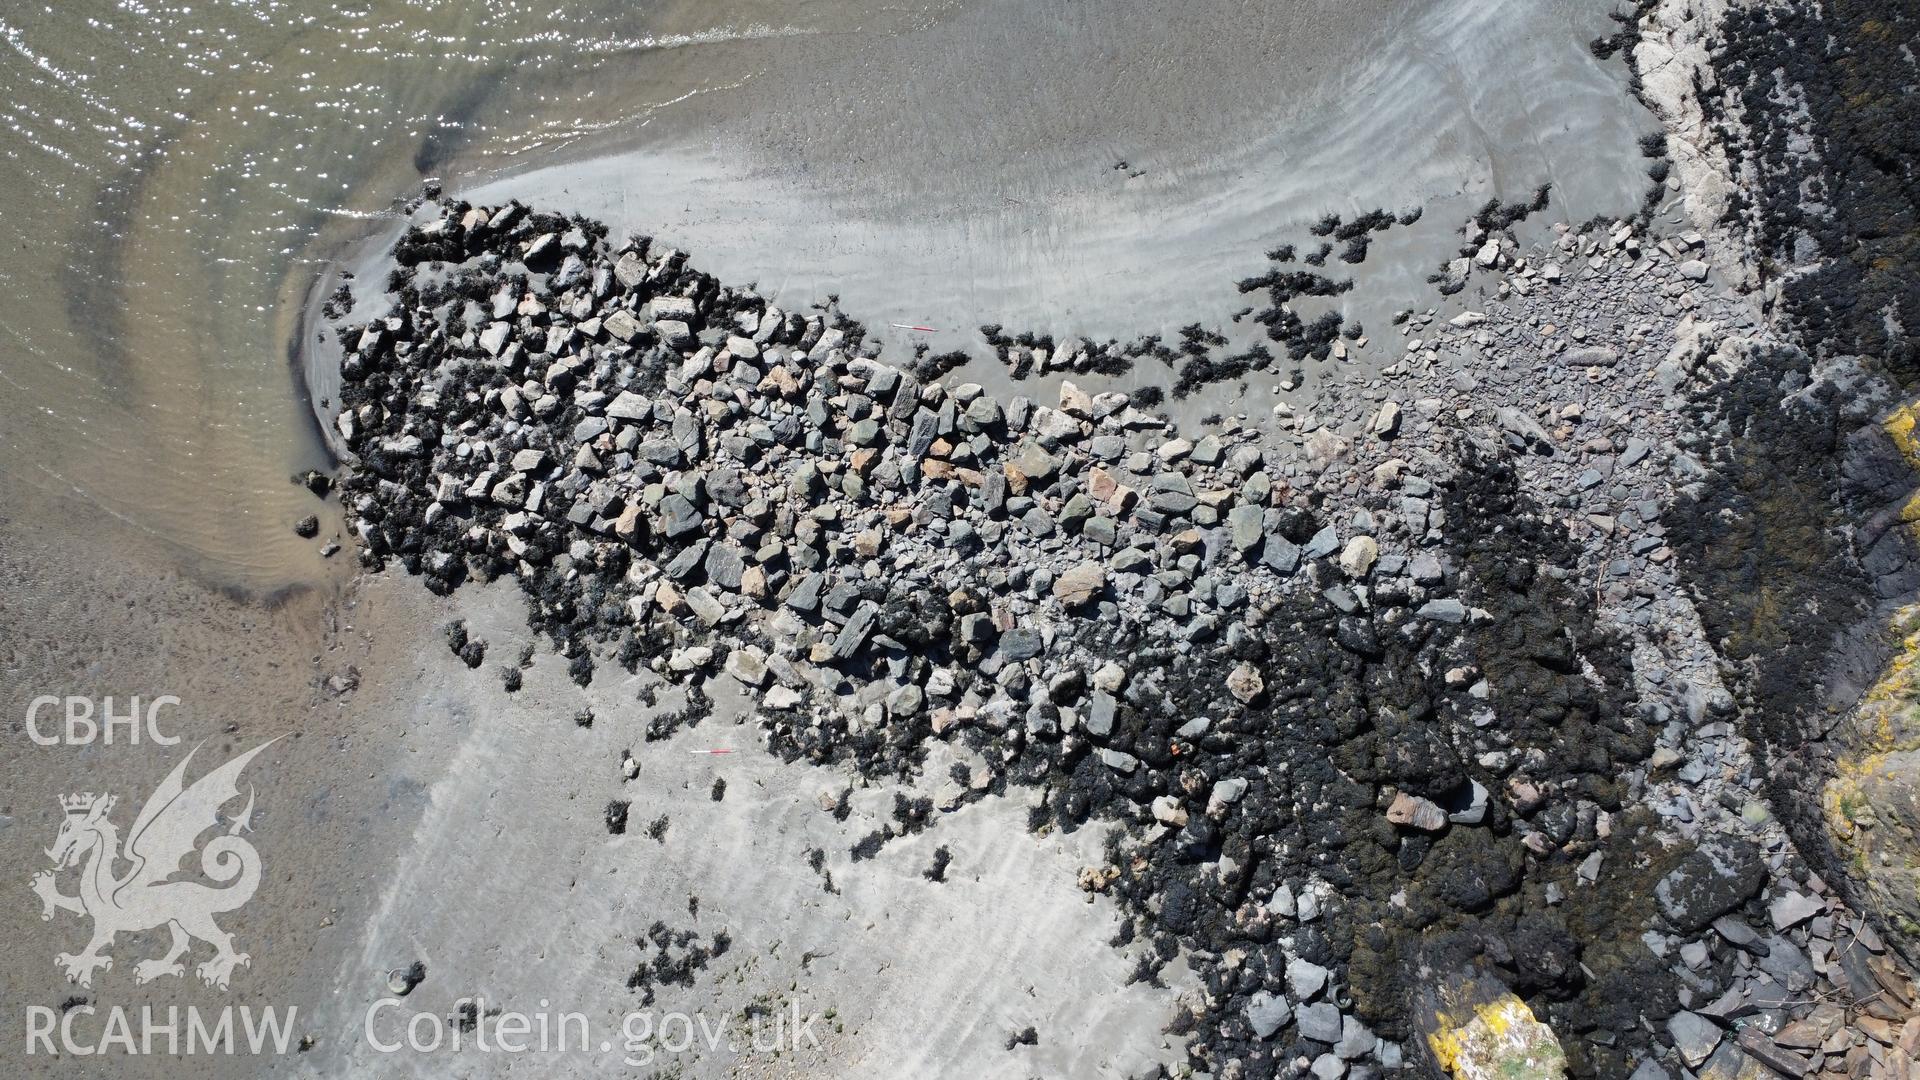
{"x": 1471, "y": 716}
{"x": 1386, "y": 710}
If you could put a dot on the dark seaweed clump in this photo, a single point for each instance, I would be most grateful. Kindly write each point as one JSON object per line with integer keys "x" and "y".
{"x": 1853, "y": 203}
{"x": 616, "y": 815}
{"x": 1282, "y": 287}
{"x": 929, "y": 368}
{"x": 471, "y": 651}
{"x": 1786, "y": 545}
{"x": 1495, "y": 215}
{"x": 676, "y": 958}
{"x": 941, "y": 858}
{"x": 1195, "y": 357}
{"x": 1205, "y": 369}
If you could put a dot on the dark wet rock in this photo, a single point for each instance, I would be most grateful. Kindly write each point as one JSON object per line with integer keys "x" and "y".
{"x": 1720, "y": 875}
{"x": 317, "y": 482}
{"x": 1021, "y": 643}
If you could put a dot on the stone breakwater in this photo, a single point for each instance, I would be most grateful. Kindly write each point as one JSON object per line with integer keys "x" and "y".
{"x": 1402, "y": 698}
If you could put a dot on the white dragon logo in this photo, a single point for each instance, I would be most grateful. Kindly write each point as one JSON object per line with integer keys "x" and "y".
{"x": 143, "y": 898}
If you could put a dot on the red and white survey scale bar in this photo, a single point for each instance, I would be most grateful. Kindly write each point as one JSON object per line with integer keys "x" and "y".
{"x": 721, "y": 750}
{"x": 910, "y": 326}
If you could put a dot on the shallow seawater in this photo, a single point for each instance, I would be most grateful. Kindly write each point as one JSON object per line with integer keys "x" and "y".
{"x": 169, "y": 174}
{"x": 177, "y": 180}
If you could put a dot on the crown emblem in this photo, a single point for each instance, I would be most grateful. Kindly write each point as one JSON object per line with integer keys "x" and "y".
{"x": 78, "y": 803}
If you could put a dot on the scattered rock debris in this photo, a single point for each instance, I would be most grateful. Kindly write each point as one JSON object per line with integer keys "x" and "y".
{"x": 1407, "y": 691}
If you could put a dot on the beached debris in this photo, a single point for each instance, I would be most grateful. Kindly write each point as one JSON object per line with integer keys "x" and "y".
{"x": 616, "y": 815}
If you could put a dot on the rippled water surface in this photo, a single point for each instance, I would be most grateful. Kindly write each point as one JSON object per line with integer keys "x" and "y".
{"x": 175, "y": 178}
{"x": 167, "y": 171}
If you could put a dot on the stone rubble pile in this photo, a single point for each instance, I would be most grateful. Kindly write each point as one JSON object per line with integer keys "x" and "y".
{"x": 1403, "y": 680}
{"x": 1588, "y": 369}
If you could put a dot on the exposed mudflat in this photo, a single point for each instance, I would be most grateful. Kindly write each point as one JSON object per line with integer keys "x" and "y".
{"x": 83, "y": 618}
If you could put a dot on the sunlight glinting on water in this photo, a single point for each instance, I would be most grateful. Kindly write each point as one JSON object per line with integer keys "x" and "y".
{"x": 173, "y": 168}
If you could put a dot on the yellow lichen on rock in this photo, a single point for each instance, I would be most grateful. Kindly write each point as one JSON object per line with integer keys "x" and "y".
{"x": 1900, "y": 426}
{"x": 1497, "y": 1040}
{"x": 1888, "y": 716}
{"x": 1872, "y": 803}
{"x": 1903, "y": 427}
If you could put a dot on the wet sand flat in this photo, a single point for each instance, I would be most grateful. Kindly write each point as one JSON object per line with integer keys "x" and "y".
{"x": 909, "y": 976}
{"x": 1114, "y": 174}
{"x": 411, "y": 809}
